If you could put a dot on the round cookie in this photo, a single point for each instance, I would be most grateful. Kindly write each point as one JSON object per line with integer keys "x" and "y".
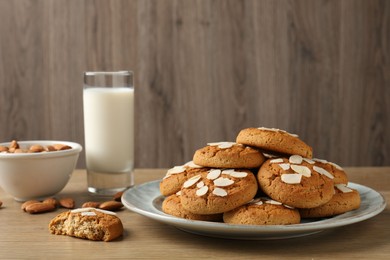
{"x": 344, "y": 200}
{"x": 274, "y": 140}
{"x": 172, "y": 206}
{"x": 262, "y": 212}
{"x": 176, "y": 176}
{"x": 296, "y": 182}
{"x": 218, "y": 191}
{"x": 228, "y": 155}
{"x": 340, "y": 176}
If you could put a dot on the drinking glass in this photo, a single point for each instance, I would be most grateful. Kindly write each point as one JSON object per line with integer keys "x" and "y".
{"x": 108, "y": 103}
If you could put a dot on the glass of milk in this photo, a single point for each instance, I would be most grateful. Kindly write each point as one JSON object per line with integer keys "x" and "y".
{"x": 109, "y": 131}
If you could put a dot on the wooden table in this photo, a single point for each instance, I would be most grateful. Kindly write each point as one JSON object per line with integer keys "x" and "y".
{"x": 26, "y": 236}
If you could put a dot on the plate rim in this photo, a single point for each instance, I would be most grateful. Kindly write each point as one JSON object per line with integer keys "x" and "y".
{"x": 252, "y": 231}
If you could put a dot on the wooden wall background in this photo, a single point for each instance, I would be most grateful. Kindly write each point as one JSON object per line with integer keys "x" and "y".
{"x": 203, "y": 71}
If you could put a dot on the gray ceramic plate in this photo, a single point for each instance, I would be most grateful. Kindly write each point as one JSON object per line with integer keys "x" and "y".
{"x": 146, "y": 200}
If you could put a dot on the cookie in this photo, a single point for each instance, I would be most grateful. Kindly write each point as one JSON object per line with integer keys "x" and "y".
{"x": 274, "y": 141}
{"x": 296, "y": 182}
{"x": 217, "y": 191}
{"x": 228, "y": 155}
{"x": 345, "y": 199}
{"x": 176, "y": 176}
{"x": 172, "y": 206}
{"x": 262, "y": 211}
{"x": 87, "y": 223}
{"x": 340, "y": 176}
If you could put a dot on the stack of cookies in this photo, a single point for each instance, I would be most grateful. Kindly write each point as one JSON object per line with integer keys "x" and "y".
{"x": 266, "y": 177}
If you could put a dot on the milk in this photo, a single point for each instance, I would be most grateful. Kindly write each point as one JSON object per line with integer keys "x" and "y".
{"x": 109, "y": 129}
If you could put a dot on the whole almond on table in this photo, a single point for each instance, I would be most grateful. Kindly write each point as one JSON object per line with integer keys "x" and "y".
{"x": 91, "y": 204}
{"x": 1, "y": 203}
{"x": 28, "y": 202}
{"x": 39, "y": 207}
{"x": 67, "y": 203}
{"x": 111, "y": 205}
{"x": 118, "y": 196}
{"x": 52, "y": 201}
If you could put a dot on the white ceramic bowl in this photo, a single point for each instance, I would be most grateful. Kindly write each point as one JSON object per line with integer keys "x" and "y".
{"x": 28, "y": 176}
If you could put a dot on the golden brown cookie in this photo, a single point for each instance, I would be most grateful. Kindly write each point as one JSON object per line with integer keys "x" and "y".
{"x": 228, "y": 155}
{"x": 274, "y": 141}
{"x": 172, "y": 206}
{"x": 345, "y": 199}
{"x": 87, "y": 223}
{"x": 218, "y": 191}
{"x": 176, "y": 176}
{"x": 262, "y": 211}
{"x": 340, "y": 176}
{"x": 295, "y": 182}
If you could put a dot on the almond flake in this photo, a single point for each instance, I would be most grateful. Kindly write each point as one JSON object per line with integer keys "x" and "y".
{"x": 106, "y": 211}
{"x": 320, "y": 160}
{"x": 213, "y": 174}
{"x": 223, "y": 182}
{"x": 343, "y": 188}
{"x": 202, "y": 191}
{"x": 273, "y": 202}
{"x": 278, "y": 160}
{"x": 305, "y": 171}
{"x": 220, "y": 192}
{"x": 88, "y": 213}
{"x": 289, "y": 207}
{"x": 191, "y": 181}
{"x": 178, "y": 193}
{"x": 80, "y": 210}
{"x": 309, "y": 161}
{"x": 228, "y": 171}
{"x": 191, "y": 164}
{"x": 238, "y": 174}
{"x": 296, "y": 159}
{"x": 176, "y": 170}
{"x": 259, "y": 203}
{"x": 200, "y": 184}
{"x": 292, "y": 178}
{"x": 323, "y": 172}
{"x": 284, "y": 166}
{"x": 222, "y": 145}
{"x": 336, "y": 165}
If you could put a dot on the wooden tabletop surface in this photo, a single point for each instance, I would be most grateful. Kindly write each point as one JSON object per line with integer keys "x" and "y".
{"x": 26, "y": 236}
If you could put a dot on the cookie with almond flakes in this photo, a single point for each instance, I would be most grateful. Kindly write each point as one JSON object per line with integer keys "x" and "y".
{"x": 172, "y": 206}
{"x": 217, "y": 190}
{"x": 345, "y": 199}
{"x": 228, "y": 155}
{"x": 262, "y": 211}
{"x": 176, "y": 176}
{"x": 296, "y": 182}
{"x": 274, "y": 140}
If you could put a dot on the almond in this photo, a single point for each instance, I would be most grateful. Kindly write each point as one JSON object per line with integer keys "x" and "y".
{"x": 1, "y": 203}
{"x": 52, "y": 201}
{"x": 3, "y": 148}
{"x": 111, "y": 205}
{"x": 118, "y": 196}
{"x": 67, "y": 203}
{"x": 91, "y": 204}
{"x": 60, "y": 147}
{"x": 36, "y": 148}
{"x": 26, "y": 203}
{"x": 39, "y": 207}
